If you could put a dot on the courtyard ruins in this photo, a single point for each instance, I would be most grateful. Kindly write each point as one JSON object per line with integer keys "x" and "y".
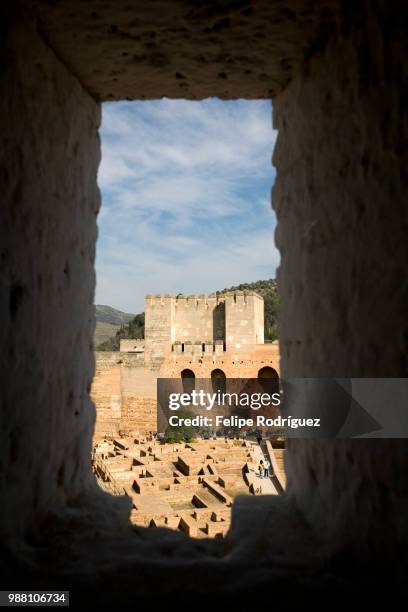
{"x": 188, "y": 487}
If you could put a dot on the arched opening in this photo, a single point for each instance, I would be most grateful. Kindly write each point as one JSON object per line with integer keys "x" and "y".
{"x": 188, "y": 380}
{"x": 269, "y": 379}
{"x": 218, "y": 381}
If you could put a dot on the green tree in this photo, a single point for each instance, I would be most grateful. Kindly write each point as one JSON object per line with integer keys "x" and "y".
{"x": 184, "y": 433}
{"x": 133, "y": 329}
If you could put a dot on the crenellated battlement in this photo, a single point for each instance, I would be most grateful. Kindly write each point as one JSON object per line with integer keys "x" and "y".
{"x": 158, "y": 300}
{"x": 244, "y": 299}
{"x": 195, "y": 301}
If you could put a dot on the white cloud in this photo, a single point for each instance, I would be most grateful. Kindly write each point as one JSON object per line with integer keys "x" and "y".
{"x": 135, "y": 272}
{"x": 185, "y": 189}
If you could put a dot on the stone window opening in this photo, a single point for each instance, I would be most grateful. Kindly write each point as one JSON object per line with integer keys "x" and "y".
{"x": 341, "y": 207}
{"x": 218, "y": 381}
{"x": 188, "y": 380}
{"x": 269, "y": 379}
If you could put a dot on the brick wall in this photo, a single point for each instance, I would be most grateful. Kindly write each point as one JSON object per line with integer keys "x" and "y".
{"x": 139, "y": 413}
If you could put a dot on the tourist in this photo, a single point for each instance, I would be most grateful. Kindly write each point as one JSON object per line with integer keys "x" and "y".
{"x": 261, "y": 468}
{"x": 266, "y": 468}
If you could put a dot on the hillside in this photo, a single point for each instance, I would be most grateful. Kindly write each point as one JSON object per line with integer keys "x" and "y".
{"x": 107, "y": 314}
{"x": 134, "y": 327}
{"x": 268, "y": 290}
{"x": 108, "y": 322}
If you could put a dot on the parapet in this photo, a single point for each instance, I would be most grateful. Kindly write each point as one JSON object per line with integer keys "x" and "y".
{"x": 158, "y": 300}
{"x": 197, "y": 300}
{"x": 202, "y": 298}
{"x": 185, "y": 301}
{"x": 198, "y": 348}
{"x": 241, "y": 298}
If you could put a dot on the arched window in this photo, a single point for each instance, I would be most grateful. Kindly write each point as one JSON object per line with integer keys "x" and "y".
{"x": 269, "y": 379}
{"x": 219, "y": 381}
{"x": 188, "y": 380}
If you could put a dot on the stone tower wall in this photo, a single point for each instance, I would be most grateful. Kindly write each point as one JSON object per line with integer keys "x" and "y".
{"x": 235, "y": 319}
{"x": 159, "y": 316}
{"x": 199, "y": 319}
{"x": 244, "y": 320}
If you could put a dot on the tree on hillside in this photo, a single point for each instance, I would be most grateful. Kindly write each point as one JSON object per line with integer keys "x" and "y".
{"x": 133, "y": 329}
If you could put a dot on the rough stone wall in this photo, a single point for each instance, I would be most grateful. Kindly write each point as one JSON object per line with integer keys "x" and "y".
{"x": 139, "y": 413}
{"x": 244, "y": 321}
{"x": 124, "y": 393}
{"x": 194, "y": 318}
{"x": 50, "y": 199}
{"x": 342, "y": 233}
{"x": 138, "y": 388}
{"x": 183, "y": 48}
{"x": 106, "y": 394}
{"x": 159, "y": 316}
{"x": 137, "y": 378}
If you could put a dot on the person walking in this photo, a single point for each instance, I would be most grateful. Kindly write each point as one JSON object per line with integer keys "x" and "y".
{"x": 261, "y": 468}
{"x": 267, "y": 465}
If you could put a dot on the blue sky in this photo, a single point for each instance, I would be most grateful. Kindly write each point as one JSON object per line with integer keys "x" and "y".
{"x": 185, "y": 198}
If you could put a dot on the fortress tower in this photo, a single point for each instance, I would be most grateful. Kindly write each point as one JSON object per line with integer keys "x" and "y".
{"x": 233, "y": 321}
{"x": 201, "y": 337}
{"x": 159, "y": 332}
{"x": 244, "y": 321}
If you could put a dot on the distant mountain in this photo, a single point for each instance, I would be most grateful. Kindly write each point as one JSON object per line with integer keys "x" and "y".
{"x": 107, "y": 314}
{"x": 133, "y": 327}
{"x": 108, "y": 323}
